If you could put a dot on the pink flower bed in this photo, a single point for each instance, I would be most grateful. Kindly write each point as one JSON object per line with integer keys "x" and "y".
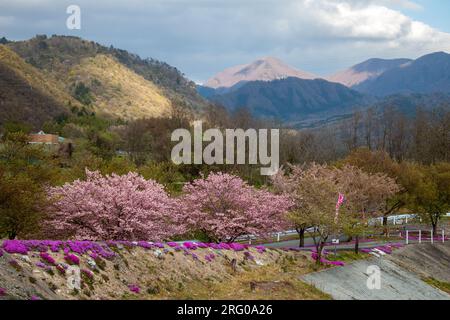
{"x": 134, "y": 288}
{"x": 72, "y": 259}
{"x": 73, "y": 250}
{"x": 88, "y": 273}
{"x": 323, "y": 260}
{"x": 15, "y": 246}
{"x": 47, "y": 258}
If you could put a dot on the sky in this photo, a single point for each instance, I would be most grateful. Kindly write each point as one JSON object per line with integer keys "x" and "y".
{"x": 203, "y": 37}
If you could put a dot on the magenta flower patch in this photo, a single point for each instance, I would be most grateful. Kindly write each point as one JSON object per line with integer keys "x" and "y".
{"x": 72, "y": 259}
{"x": 47, "y": 258}
{"x": 210, "y": 257}
{"x": 134, "y": 288}
{"x": 260, "y": 249}
{"x": 2, "y": 292}
{"x": 237, "y": 247}
{"x": 190, "y": 245}
{"x": 88, "y": 273}
{"x": 224, "y": 246}
{"x": 14, "y": 246}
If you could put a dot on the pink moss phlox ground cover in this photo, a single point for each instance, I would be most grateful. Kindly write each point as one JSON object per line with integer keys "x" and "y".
{"x": 210, "y": 257}
{"x": 237, "y": 247}
{"x": 79, "y": 247}
{"x": 261, "y": 249}
{"x": 134, "y": 288}
{"x": 88, "y": 273}
{"x": 194, "y": 256}
{"x": 61, "y": 269}
{"x": 325, "y": 261}
{"x": 72, "y": 259}
{"x": 2, "y": 292}
{"x": 14, "y": 246}
{"x": 106, "y": 249}
{"x": 202, "y": 245}
{"x": 47, "y": 258}
{"x": 190, "y": 245}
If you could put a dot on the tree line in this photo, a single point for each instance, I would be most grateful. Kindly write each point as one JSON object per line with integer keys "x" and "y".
{"x": 380, "y": 164}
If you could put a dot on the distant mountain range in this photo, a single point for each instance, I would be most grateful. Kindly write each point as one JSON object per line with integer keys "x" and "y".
{"x": 265, "y": 69}
{"x": 302, "y": 99}
{"x": 293, "y": 99}
{"x": 365, "y": 71}
{"x": 428, "y": 74}
{"x": 46, "y": 78}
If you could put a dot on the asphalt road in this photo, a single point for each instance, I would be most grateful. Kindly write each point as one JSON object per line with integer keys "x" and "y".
{"x": 309, "y": 243}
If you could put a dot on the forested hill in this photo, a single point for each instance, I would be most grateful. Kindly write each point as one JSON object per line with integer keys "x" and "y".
{"x": 102, "y": 79}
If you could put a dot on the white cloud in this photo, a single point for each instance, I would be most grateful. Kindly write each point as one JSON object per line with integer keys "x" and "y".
{"x": 202, "y": 37}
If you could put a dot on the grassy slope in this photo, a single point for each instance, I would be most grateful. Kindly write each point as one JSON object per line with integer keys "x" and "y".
{"x": 117, "y": 90}
{"x": 34, "y": 77}
{"x": 442, "y": 285}
{"x": 59, "y": 55}
{"x": 173, "y": 275}
{"x": 28, "y": 94}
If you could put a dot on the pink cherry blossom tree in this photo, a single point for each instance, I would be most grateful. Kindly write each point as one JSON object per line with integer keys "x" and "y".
{"x": 114, "y": 207}
{"x": 224, "y": 207}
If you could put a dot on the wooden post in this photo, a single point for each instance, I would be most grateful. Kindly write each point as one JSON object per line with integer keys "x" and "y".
{"x": 278, "y": 237}
{"x": 407, "y": 236}
{"x": 432, "y": 235}
{"x": 443, "y": 236}
{"x": 420, "y": 236}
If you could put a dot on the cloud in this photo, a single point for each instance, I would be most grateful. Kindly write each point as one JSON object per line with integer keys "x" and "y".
{"x": 201, "y": 37}
{"x": 6, "y": 21}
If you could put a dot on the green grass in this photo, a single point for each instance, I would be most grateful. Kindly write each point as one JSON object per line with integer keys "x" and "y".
{"x": 444, "y": 286}
{"x": 346, "y": 256}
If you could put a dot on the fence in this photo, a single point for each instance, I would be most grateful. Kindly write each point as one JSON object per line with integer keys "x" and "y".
{"x": 425, "y": 236}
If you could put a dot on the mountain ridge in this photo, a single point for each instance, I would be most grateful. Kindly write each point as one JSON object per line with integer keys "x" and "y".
{"x": 263, "y": 69}
{"x": 292, "y": 99}
{"x": 29, "y": 95}
{"x": 428, "y": 74}
{"x": 366, "y": 70}
{"x": 58, "y": 54}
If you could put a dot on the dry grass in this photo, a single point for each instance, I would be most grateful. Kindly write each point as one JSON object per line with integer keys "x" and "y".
{"x": 37, "y": 79}
{"x": 117, "y": 90}
{"x": 278, "y": 281}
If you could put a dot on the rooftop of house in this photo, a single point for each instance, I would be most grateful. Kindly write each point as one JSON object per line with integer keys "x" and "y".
{"x": 45, "y": 138}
